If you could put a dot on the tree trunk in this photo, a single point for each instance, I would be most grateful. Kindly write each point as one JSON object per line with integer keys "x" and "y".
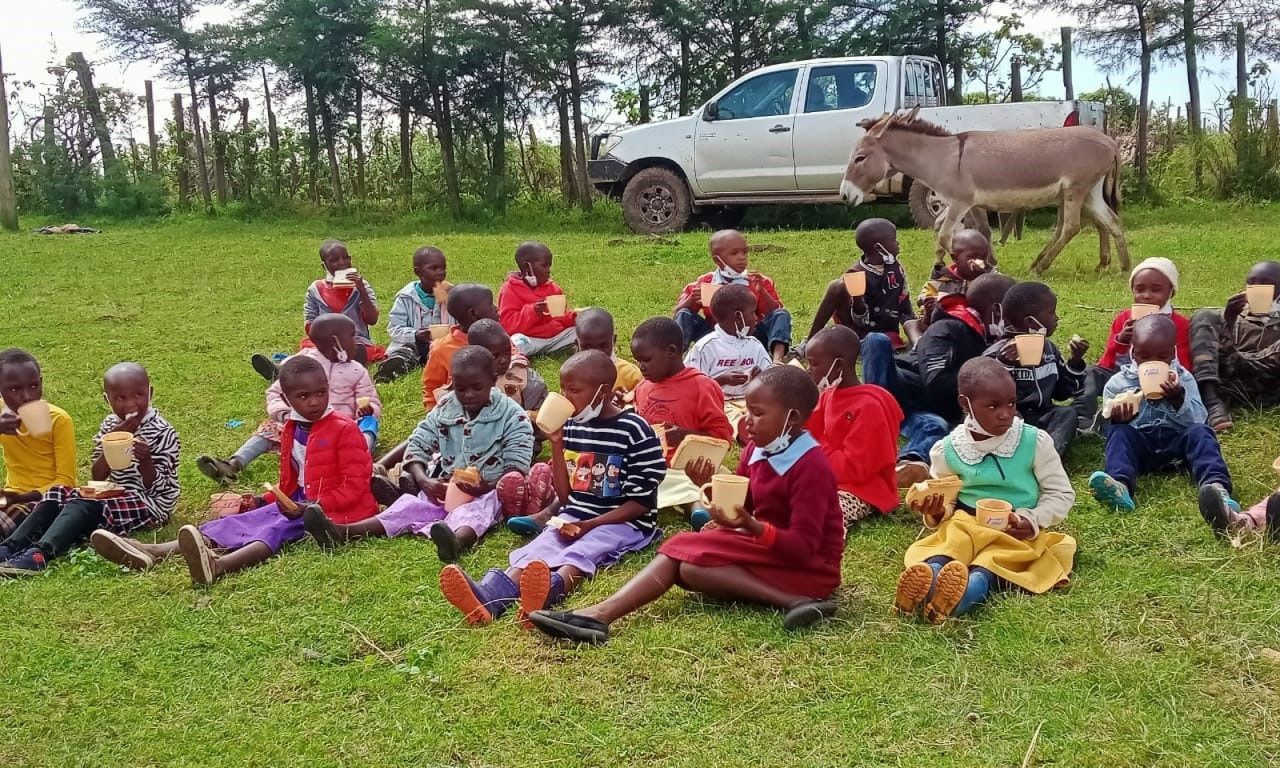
{"x": 1144, "y": 99}
{"x": 8, "y": 194}
{"x": 273, "y": 137}
{"x": 406, "y": 145}
{"x": 313, "y": 145}
{"x": 498, "y": 154}
{"x": 247, "y": 152}
{"x": 153, "y": 142}
{"x": 686, "y": 56}
{"x": 444, "y": 128}
{"x": 1194, "y": 125}
{"x": 644, "y": 103}
{"x": 1015, "y": 80}
{"x": 180, "y": 141}
{"x": 216, "y": 140}
{"x": 579, "y": 133}
{"x": 802, "y": 32}
{"x": 568, "y": 186}
{"x": 1068, "y": 84}
{"x": 940, "y": 31}
{"x": 202, "y": 165}
{"x": 359, "y": 140}
{"x": 91, "y": 102}
{"x": 331, "y": 149}
{"x": 1242, "y": 69}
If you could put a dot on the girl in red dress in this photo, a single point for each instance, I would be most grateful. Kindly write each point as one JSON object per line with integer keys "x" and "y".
{"x": 782, "y": 550}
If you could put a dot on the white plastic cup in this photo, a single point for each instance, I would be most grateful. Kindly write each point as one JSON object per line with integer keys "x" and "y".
{"x": 1153, "y": 376}
{"x": 1260, "y": 298}
{"x": 855, "y": 283}
{"x": 117, "y": 448}
{"x": 555, "y": 411}
{"x": 36, "y": 418}
{"x": 1030, "y": 348}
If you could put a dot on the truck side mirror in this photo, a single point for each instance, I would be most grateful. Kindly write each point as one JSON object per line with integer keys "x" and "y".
{"x": 711, "y": 112}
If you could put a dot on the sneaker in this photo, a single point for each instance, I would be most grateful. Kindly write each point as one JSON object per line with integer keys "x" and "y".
{"x": 1110, "y": 492}
{"x": 911, "y": 472}
{"x": 7, "y": 552}
{"x": 948, "y": 591}
{"x": 266, "y": 367}
{"x": 1273, "y": 519}
{"x": 447, "y": 545}
{"x": 121, "y": 551}
{"x": 201, "y": 562}
{"x": 384, "y": 491}
{"x": 808, "y": 613}
{"x": 524, "y": 526}
{"x": 512, "y": 494}
{"x": 27, "y": 563}
{"x": 391, "y": 369}
{"x": 539, "y": 488}
{"x": 321, "y": 528}
{"x": 566, "y": 625}
{"x": 698, "y": 518}
{"x": 216, "y": 469}
{"x": 1217, "y": 507}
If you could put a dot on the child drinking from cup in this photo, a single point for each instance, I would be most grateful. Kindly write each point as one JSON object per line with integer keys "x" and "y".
{"x": 418, "y": 308}
{"x": 856, "y": 425}
{"x": 37, "y": 439}
{"x": 1004, "y": 465}
{"x": 602, "y": 513}
{"x": 135, "y": 449}
{"x": 1041, "y": 372}
{"x": 595, "y": 331}
{"x": 872, "y": 295}
{"x": 971, "y": 257}
{"x": 693, "y": 308}
{"x": 1236, "y": 350}
{"x": 324, "y": 471}
{"x": 467, "y": 303}
{"x": 1165, "y": 430}
{"x": 781, "y": 547}
{"x": 1154, "y": 282}
{"x": 474, "y": 427}
{"x": 532, "y": 307}
{"x": 351, "y": 393}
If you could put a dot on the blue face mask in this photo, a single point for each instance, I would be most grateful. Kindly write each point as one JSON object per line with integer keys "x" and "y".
{"x": 783, "y": 441}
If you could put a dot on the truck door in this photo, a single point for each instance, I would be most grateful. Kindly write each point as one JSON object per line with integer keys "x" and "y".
{"x": 836, "y": 97}
{"x": 745, "y": 146}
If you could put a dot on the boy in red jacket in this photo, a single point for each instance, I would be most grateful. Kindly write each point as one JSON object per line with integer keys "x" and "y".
{"x": 324, "y": 467}
{"x": 856, "y": 424}
{"x": 524, "y": 311}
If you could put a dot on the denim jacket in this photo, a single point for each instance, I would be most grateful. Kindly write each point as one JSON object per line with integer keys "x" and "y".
{"x": 1158, "y": 414}
{"x": 498, "y": 439}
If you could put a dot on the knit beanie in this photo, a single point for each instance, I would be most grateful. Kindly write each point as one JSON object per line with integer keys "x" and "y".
{"x": 1160, "y": 264}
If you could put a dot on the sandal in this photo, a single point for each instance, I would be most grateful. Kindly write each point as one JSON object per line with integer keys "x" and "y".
{"x": 808, "y": 613}
{"x": 566, "y": 625}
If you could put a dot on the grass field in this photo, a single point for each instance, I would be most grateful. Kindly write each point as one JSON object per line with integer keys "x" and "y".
{"x": 1160, "y": 652}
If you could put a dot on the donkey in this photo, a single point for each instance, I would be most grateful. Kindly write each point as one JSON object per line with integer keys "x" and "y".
{"x": 1075, "y": 168}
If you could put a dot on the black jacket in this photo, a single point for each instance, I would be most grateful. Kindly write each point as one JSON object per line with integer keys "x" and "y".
{"x": 947, "y": 344}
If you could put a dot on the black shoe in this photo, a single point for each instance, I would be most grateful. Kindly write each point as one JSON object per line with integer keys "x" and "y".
{"x": 447, "y": 545}
{"x": 321, "y": 528}
{"x": 1213, "y": 508}
{"x": 1273, "y": 519}
{"x": 808, "y": 613}
{"x": 384, "y": 491}
{"x": 265, "y": 366}
{"x": 408, "y": 486}
{"x": 216, "y": 469}
{"x": 566, "y": 625}
{"x": 391, "y": 369}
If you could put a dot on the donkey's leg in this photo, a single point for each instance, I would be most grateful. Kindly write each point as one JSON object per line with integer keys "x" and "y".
{"x": 1070, "y": 211}
{"x": 1053, "y": 235}
{"x": 947, "y": 224}
{"x": 1095, "y": 208}
{"x": 1110, "y": 220}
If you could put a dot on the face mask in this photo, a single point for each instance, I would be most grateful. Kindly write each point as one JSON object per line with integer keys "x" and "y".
{"x": 339, "y": 352}
{"x": 827, "y": 382}
{"x": 782, "y": 442}
{"x": 971, "y": 423}
{"x": 889, "y": 258}
{"x": 995, "y": 328}
{"x": 1035, "y": 326}
{"x": 728, "y": 274}
{"x": 591, "y": 411}
{"x": 529, "y": 279}
{"x": 329, "y": 277}
{"x": 742, "y": 330}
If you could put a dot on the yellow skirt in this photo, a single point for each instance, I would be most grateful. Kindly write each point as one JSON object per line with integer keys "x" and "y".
{"x": 1037, "y": 565}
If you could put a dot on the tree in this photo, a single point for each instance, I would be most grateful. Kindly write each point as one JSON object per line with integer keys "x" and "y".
{"x": 990, "y": 55}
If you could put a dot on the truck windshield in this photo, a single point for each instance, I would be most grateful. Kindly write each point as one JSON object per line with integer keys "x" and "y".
{"x": 767, "y": 95}
{"x": 848, "y": 86}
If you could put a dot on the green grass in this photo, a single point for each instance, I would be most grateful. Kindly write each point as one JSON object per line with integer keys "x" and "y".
{"x": 1152, "y": 656}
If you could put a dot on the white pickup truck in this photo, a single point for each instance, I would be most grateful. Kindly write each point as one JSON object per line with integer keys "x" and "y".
{"x": 783, "y": 134}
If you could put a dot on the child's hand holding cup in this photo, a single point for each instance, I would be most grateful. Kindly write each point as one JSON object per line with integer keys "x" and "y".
{"x": 728, "y": 500}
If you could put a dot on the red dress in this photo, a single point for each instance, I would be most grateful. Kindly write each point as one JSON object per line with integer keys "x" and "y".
{"x": 857, "y": 428}
{"x": 1114, "y": 348}
{"x": 803, "y": 542}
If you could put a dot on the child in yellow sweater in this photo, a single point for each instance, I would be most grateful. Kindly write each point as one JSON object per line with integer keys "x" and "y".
{"x": 34, "y": 462}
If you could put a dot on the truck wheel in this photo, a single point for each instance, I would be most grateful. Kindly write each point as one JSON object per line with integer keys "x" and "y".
{"x": 656, "y": 202}
{"x": 926, "y": 207}
{"x": 728, "y": 217}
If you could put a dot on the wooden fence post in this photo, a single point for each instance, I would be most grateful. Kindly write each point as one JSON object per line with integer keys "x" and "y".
{"x": 8, "y": 195}
{"x": 180, "y": 142}
{"x": 152, "y": 140}
{"x": 1015, "y": 80}
{"x": 1067, "y": 83}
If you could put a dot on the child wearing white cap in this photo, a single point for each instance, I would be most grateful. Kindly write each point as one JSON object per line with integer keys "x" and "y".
{"x": 1154, "y": 283}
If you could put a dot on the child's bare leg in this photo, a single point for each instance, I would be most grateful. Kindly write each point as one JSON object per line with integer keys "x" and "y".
{"x": 394, "y": 456}
{"x": 247, "y": 556}
{"x": 779, "y": 351}
{"x": 369, "y": 528}
{"x": 732, "y": 583}
{"x": 159, "y": 550}
{"x": 652, "y": 582}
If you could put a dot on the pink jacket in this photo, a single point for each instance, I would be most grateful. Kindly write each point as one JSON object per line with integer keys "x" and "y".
{"x": 347, "y": 381}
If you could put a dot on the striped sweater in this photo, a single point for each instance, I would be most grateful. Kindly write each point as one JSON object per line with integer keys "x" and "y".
{"x": 618, "y": 460}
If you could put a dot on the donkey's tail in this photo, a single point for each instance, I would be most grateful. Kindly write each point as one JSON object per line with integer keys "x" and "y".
{"x": 1111, "y": 185}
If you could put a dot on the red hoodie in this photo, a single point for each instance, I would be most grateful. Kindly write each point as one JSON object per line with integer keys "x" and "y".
{"x": 338, "y": 467}
{"x": 516, "y": 310}
{"x": 857, "y": 428}
{"x": 690, "y": 400}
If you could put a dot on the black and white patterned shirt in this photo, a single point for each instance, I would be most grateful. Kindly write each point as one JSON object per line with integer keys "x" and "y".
{"x": 161, "y": 498}
{"x": 613, "y": 461}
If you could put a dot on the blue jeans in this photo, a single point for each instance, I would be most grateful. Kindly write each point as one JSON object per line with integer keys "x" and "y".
{"x": 921, "y": 429}
{"x": 773, "y": 328}
{"x": 1131, "y": 452}
{"x": 981, "y": 584}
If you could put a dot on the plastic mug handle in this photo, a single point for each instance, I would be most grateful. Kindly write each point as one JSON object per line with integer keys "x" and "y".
{"x": 702, "y": 493}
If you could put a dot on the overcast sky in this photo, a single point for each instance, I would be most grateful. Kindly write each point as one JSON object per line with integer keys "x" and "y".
{"x": 30, "y": 30}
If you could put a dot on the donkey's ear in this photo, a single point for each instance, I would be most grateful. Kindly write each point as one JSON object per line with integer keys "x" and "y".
{"x": 867, "y": 123}
{"x": 911, "y": 115}
{"x": 881, "y": 125}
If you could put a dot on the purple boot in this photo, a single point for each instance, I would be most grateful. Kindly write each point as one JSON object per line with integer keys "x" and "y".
{"x": 480, "y": 603}
{"x": 540, "y": 588}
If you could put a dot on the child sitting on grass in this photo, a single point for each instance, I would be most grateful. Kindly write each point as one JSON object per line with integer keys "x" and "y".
{"x": 1030, "y": 308}
{"x": 729, "y": 252}
{"x": 467, "y": 303}
{"x": 1159, "y": 434}
{"x": 149, "y": 485}
{"x": 474, "y": 426}
{"x": 33, "y": 463}
{"x": 971, "y": 257}
{"x": 1237, "y": 353}
{"x": 997, "y": 456}
{"x": 856, "y": 425}
{"x": 606, "y": 509}
{"x": 885, "y": 307}
{"x": 595, "y": 331}
{"x": 781, "y": 549}
{"x": 333, "y": 345}
{"x": 522, "y": 304}
{"x": 730, "y": 355}
{"x": 324, "y": 470}
{"x": 1154, "y": 282}
{"x": 418, "y": 306}
{"x": 357, "y": 301}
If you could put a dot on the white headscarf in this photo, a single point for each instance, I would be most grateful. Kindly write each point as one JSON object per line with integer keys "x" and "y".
{"x": 1165, "y": 267}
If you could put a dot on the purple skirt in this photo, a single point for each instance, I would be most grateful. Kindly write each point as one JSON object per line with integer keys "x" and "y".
{"x": 600, "y": 548}
{"x": 264, "y": 524}
{"x": 416, "y": 515}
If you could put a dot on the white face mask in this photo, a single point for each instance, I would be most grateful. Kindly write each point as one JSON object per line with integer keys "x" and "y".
{"x": 340, "y": 352}
{"x": 728, "y": 274}
{"x": 591, "y": 411}
{"x": 995, "y": 328}
{"x": 1035, "y": 326}
{"x": 889, "y": 258}
{"x": 828, "y": 382}
{"x": 529, "y": 278}
{"x": 742, "y": 330}
{"x": 970, "y": 422}
{"x": 783, "y": 441}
